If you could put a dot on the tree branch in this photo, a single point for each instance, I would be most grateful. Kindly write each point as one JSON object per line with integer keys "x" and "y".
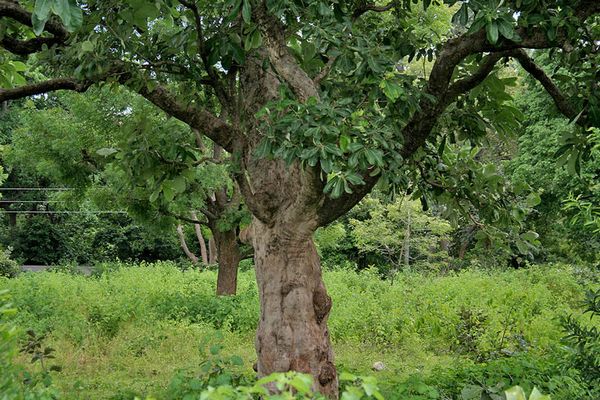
{"x": 365, "y": 7}
{"x": 453, "y": 52}
{"x": 212, "y": 73}
{"x": 465, "y": 84}
{"x": 197, "y": 118}
{"x": 332, "y": 209}
{"x": 325, "y": 70}
{"x": 534, "y": 70}
{"x": 43, "y": 87}
{"x": 26, "y": 47}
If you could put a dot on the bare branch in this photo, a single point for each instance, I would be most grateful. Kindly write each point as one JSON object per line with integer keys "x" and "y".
{"x": 184, "y": 245}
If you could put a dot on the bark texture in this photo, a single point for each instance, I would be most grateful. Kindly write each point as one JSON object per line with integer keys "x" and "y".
{"x": 229, "y": 258}
{"x": 292, "y": 332}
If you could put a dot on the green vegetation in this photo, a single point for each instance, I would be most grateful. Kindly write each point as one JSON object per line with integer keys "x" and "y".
{"x": 409, "y": 191}
{"x": 134, "y": 329}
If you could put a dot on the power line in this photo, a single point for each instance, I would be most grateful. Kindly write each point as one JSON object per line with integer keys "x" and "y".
{"x": 34, "y": 189}
{"x": 32, "y": 201}
{"x": 63, "y": 212}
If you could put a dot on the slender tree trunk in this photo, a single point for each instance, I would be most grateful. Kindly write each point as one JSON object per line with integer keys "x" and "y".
{"x": 294, "y": 306}
{"x": 198, "y": 230}
{"x": 213, "y": 257}
{"x": 184, "y": 245}
{"x": 407, "y": 242}
{"x": 229, "y": 260}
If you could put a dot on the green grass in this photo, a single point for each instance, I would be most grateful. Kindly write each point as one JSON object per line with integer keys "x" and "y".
{"x": 133, "y": 328}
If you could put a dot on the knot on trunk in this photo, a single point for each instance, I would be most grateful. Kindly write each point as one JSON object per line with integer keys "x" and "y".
{"x": 327, "y": 373}
{"x": 321, "y": 304}
{"x": 288, "y": 287}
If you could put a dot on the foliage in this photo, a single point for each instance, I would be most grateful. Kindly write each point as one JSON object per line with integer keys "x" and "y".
{"x": 15, "y": 383}
{"x": 477, "y": 327}
{"x": 8, "y": 267}
{"x": 583, "y": 341}
{"x": 385, "y": 233}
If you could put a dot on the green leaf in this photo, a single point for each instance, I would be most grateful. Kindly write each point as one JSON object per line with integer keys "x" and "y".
{"x": 344, "y": 142}
{"x": 106, "y": 151}
{"x": 491, "y": 30}
{"x": 247, "y": 11}
{"x": 537, "y": 395}
{"x": 69, "y": 12}
{"x": 168, "y": 192}
{"x": 533, "y": 200}
{"x": 253, "y": 40}
{"x": 530, "y": 236}
{"x": 179, "y": 184}
{"x": 41, "y": 13}
{"x": 515, "y": 393}
{"x": 87, "y": 46}
{"x": 506, "y": 29}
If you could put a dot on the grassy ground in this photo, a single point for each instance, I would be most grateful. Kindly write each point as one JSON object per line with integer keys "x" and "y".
{"x": 133, "y": 328}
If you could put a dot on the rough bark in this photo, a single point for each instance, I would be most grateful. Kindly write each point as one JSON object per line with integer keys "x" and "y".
{"x": 292, "y": 332}
{"x": 229, "y": 259}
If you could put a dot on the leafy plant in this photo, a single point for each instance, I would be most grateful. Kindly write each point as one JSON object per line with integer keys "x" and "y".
{"x": 8, "y": 267}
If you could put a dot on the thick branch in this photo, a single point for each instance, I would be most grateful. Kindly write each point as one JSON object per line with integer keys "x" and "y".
{"x": 282, "y": 61}
{"x": 197, "y": 118}
{"x": 26, "y": 47}
{"x": 332, "y": 209}
{"x": 453, "y": 52}
{"x": 470, "y": 82}
{"x": 365, "y": 7}
{"x": 560, "y": 100}
{"x": 43, "y": 87}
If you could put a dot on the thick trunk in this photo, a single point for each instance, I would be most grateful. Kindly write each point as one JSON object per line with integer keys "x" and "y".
{"x": 292, "y": 332}
{"x": 229, "y": 259}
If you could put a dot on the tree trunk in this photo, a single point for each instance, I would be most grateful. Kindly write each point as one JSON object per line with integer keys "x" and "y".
{"x": 212, "y": 251}
{"x": 294, "y": 306}
{"x": 184, "y": 245}
{"x": 198, "y": 230}
{"x": 229, "y": 259}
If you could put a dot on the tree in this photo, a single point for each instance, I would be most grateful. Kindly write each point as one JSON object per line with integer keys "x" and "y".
{"x": 309, "y": 100}
{"x": 121, "y": 157}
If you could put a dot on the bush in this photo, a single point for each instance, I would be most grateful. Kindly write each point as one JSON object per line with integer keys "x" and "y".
{"x": 8, "y": 267}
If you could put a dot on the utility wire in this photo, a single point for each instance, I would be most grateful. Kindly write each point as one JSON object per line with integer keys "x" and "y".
{"x": 63, "y": 212}
{"x": 32, "y": 201}
{"x": 16, "y": 189}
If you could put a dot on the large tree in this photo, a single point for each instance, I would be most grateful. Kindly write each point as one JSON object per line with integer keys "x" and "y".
{"x": 311, "y": 100}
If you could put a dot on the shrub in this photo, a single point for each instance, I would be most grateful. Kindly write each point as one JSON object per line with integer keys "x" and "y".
{"x": 8, "y": 267}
